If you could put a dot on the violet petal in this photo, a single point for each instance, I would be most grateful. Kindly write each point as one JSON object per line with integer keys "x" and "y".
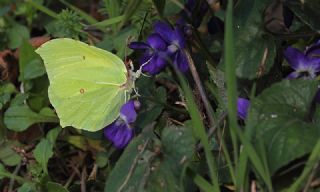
{"x": 181, "y": 61}
{"x": 139, "y": 45}
{"x": 165, "y": 31}
{"x": 119, "y": 134}
{"x": 242, "y": 107}
{"x": 296, "y": 58}
{"x": 128, "y": 112}
{"x": 156, "y": 42}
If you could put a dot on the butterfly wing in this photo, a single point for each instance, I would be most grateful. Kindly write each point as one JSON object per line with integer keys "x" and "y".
{"x": 86, "y": 83}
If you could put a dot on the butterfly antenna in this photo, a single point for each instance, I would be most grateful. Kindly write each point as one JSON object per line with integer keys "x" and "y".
{"x": 139, "y": 71}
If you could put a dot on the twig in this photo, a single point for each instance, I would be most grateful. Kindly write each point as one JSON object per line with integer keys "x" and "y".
{"x": 313, "y": 173}
{"x": 83, "y": 178}
{"x": 15, "y": 172}
{"x": 204, "y": 98}
{"x": 221, "y": 118}
{"x": 315, "y": 183}
{"x": 179, "y": 110}
{"x": 212, "y": 129}
{"x": 169, "y": 85}
{"x": 133, "y": 166}
{"x": 253, "y": 186}
{"x": 146, "y": 175}
{"x": 69, "y": 181}
{"x": 93, "y": 173}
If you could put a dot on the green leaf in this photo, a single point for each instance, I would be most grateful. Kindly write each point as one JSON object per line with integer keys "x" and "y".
{"x": 252, "y": 43}
{"x": 160, "y": 5}
{"x": 307, "y": 11}
{"x": 19, "y": 99}
{"x": 81, "y": 13}
{"x": 2, "y": 170}
{"x": 277, "y": 116}
{"x": 312, "y": 163}
{"x": 53, "y": 134}
{"x": 178, "y": 149}
{"x": 112, "y": 8}
{"x": 55, "y": 187}
{"x": 130, "y": 168}
{"x": 108, "y": 22}
{"x": 130, "y": 10}
{"x": 6, "y": 91}
{"x": 38, "y": 93}
{"x": 43, "y": 152}
{"x": 17, "y": 34}
{"x": 173, "y": 7}
{"x": 27, "y": 187}
{"x": 153, "y": 102}
{"x": 19, "y": 118}
{"x": 8, "y": 156}
{"x": 178, "y": 144}
{"x": 30, "y": 63}
{"x": 102, "y": 159}
{"x": 4, "y": 10}
{"x": 150, "y": 171}
{"x": 68, "y": 24}
{"x": 119, "y": 41}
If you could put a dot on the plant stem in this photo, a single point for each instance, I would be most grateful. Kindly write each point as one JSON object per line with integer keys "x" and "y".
{"x": 43, "y": 9}
{"x": 206, "y": 103}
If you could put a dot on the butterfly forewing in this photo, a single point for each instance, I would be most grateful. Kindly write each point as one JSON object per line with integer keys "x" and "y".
{"x": 86, "y": 83}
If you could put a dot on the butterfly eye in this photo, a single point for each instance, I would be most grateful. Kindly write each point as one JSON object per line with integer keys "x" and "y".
{"x": 82, "y": 91}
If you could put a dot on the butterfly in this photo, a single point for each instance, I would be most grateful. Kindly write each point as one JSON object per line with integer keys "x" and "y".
{"x": 88, "y": 85}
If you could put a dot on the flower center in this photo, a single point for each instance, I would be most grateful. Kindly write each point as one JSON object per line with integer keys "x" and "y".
{"x": 305, "y": 74}
{"x": 173, "y": 48}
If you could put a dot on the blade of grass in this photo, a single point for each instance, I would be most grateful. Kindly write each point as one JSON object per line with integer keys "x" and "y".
{"x": 254, "y": 158}
{"x": 314, "y": 158}
{"x": 263, "y": 155}
{"x": 42, "y": 8}
{"x": 227, "y": 156}
{"x": 242, "y": 171}
{"x": 108, "y": 22}
{"x": 199, "y": 130}
{"x": 231, "y": 78}
{"x": 202, "y": 183}
{"x": 160, "y": 5}
{"x": 130, "y": 10}
{"x": 230, "y": 70}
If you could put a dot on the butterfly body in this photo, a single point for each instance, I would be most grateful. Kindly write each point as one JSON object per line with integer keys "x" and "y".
{"x": 88, "y": 85}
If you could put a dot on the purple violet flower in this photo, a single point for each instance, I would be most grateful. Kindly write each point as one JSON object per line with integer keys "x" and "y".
{"x": 306, "y": 64}
{"x": 242, "y": 107}
{"x": 165, "y": 44}
{"x": 154, "y": 58}
{"x": 176, "y": 44}
{"x": 120, "y": 132}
